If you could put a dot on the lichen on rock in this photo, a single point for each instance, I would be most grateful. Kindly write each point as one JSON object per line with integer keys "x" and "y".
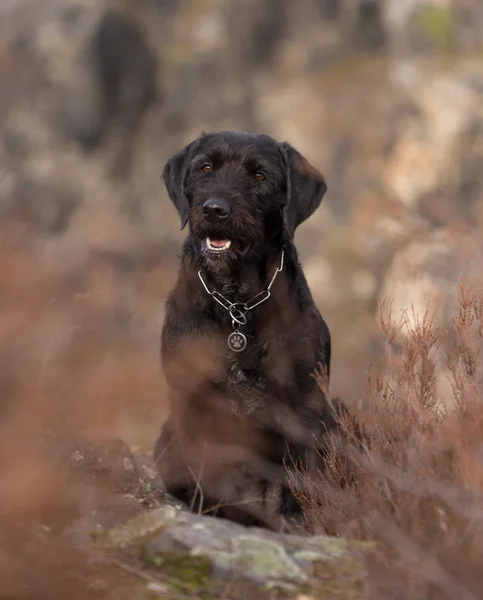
{"x": 138, "y": 528}
{"x": 255, "y": 558}
{"x": 196, "y": 553}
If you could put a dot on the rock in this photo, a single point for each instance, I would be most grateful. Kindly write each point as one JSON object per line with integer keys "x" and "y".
{"x": 228, "y": 551}
{"x": 105, "y": 461}
{"x": 445, "y": 108}
{"x": 102, "y": 461}
{"x": 108, "y": 483}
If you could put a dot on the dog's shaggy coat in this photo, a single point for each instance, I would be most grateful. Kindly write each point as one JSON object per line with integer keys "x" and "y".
{"x": 239, "y": 420}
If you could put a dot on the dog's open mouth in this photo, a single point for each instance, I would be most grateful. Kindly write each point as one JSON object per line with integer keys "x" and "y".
{"x": 221, "y": 247}
{"x": 217, "y": 245}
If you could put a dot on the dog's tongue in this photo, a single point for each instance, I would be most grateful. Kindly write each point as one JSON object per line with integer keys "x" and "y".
{"x": 218, "y": 243}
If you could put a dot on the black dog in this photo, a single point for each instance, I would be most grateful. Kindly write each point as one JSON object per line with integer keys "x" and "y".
{"x": 242, "y": 336}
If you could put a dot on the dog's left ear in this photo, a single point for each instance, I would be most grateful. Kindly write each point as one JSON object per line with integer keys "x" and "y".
{"x": 305, "y": 189}
{"x": 174, "y": 176}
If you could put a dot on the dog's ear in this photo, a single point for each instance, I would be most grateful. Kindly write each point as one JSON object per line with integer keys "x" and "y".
{"x": 305, "y": 189}
{"x": 174, "y": 176}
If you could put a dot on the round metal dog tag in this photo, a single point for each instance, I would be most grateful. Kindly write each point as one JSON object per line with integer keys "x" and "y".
{"x": 237, "y": 342}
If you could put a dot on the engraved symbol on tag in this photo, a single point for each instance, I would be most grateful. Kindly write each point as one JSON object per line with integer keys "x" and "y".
{"x": 237, "y": 342}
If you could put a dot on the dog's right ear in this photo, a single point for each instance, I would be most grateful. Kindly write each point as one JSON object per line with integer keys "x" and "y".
{"x": 174, "y": 176}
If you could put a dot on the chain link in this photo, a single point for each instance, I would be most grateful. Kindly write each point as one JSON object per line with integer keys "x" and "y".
{"x": 237, "y": 314}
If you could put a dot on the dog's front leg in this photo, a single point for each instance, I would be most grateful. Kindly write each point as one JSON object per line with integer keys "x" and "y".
{"x": 171, "y": 466}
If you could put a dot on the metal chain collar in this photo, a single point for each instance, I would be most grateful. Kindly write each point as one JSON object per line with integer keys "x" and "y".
{"x": 238, "y": 310}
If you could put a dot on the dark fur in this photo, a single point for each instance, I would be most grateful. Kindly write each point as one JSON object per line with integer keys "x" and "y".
{"x": 239, "y": 419}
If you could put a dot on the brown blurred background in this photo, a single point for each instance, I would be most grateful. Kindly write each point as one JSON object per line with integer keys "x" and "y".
{"x": 384, "y": 97}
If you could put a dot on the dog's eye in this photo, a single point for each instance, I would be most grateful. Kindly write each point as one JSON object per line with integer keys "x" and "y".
{"x": 207, "y": 169}
{"x": 259, "y": 176}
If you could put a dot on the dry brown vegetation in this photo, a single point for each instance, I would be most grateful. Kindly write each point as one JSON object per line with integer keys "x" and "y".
{"x": 417, "y": 485}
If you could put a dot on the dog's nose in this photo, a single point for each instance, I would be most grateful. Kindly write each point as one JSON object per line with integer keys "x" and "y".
{"x": 216, "y": 209}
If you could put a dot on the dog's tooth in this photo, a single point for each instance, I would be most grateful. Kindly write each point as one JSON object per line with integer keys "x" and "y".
{"x": 217, "y": 248}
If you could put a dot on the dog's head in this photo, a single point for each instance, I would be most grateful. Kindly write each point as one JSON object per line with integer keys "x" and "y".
{"x": 240, "y": 193}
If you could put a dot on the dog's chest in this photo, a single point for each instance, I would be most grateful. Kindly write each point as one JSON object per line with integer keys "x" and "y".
{"x": 246, "y": 377}
{"x": 236, "y": 376}
{"x": 245, "y": 381}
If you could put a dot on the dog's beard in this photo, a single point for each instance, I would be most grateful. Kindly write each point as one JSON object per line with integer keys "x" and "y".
{"x": 220, "y": 255}
{"x": 221, "y": 251}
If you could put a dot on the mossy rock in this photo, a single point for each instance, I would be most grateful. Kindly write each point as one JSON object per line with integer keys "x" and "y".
{"x": 192, "y": 572}
{"x": 139, "y": 528}
{"x": 255, "y": 558}
{"x": 199, "y": 555}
